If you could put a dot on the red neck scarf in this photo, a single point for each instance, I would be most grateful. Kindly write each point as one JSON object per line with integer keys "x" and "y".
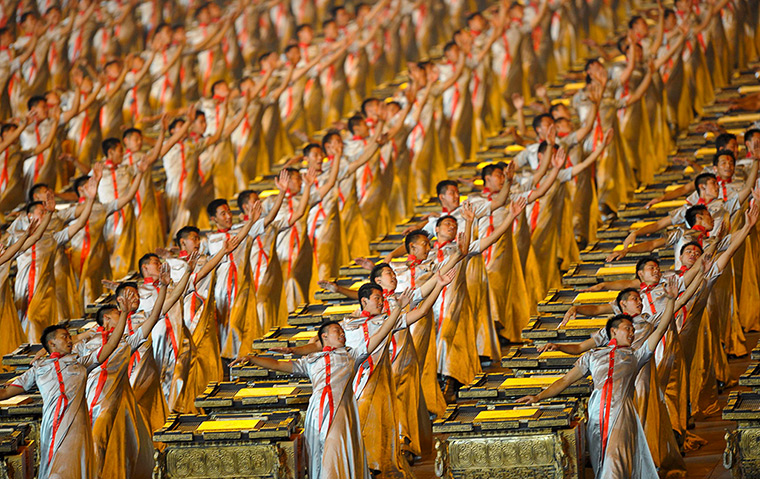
{"x": 56, "y": 355}
{"x": 606, "y": 403}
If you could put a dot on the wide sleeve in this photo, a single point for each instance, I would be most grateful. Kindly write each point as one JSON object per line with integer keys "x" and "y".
{"x": 584, "y": 363}
{"x": 26, "y": 381}
{"x": 301, "y": 367}
{"x": 600, "y": 337}
{"x": 643, "y": 355}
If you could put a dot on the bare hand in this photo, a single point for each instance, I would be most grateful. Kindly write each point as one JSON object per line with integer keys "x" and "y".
{"x": 671, "y": 288}
{"x": 244, "y": 361}
{"x": 467, "y": 212}
{"x": 165, "y": 276}
{"x": 547, "y": 347}
{"x": 517, "y": 206}
{"x": 591, "y": 289}
{"x": 328, "y": 285}
{"x": 444, "y": 280}
{"x": 281, "y": 182}
{"x": 518, "y": 101}
{"x": 570, "y": 314}
{"x": 364, "y": 263}
{"x": 527, "y": 400}
{"x": 616, "y": 255}
{"x": 405, "y": 298}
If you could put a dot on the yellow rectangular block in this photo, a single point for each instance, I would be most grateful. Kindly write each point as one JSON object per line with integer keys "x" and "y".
{"x": 514, "y": 148}
{"x": 340, "y": 309}
{"x": 672, "y": 187}
{"x": 268, "y": 193}
{"x": 356, "y": 285}
{"x": 506, "y": 414}
{"x": 706, "y": 151}
{"x": 228, "y": 425}
{"x": 746, "y": 117}
{"x": 586, "y": 324}
{"x": 640, "y": 224}
{"x": 574, "y": 86}
{"x": 536, "y": 381}
{"x": 743, "y": 90}
{"x": 611, "y": 270}
{"x": 304, "y": 335}
{"x": 596, "y": 297}
{"x": 563, "y": 101}
{"x": 265, "y": 392}
{"x": 16, "y": 400}
{"x": 669, "y": 204}
{"x": 553, "y": 354}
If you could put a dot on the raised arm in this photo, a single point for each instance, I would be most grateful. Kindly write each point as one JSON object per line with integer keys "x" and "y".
{"x": 372, "y": 146}
{"x": 32, "y": 234}
{"x": 48, "y": 142}
{"x": 515, "y": 209}
{"x": 118, "y": 332}
{"x": 644, "y": 247}
{"x": 303, "y": 204}
{"x": 90, "y": 191}
{"x": 4, "y": 145}
{"x": 671, "y": 290}
{"x": 181, "y": 286}
{"x": 389, "y": 324}
{"x": 591, "y": 159}
{"x": 556, "y": 387}
{"x": 266, "y": 363}
{"x": 441, "y": 281}
{"x": 654, "y": 227}
{"x": 568, "y": 348}
{"x": 134, "y": 187}
{"x": 557, "y": 160}
{"x": 750, "y": 219}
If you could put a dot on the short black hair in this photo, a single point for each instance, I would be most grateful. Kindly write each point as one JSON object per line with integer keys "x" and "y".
{"x": 145, "y": 259}
{"x": 442, "y": 186}
{"x": 184, "y": 232}
{"x": 8, "y": 127}
{"x": 366, "y": 102}
{"x": 264, "y": 56}
{"x": 353, "y": 122}
{"x": 444, "y": 218}
{"x": 129, "y": 132}
{"x": 242, "y": 198}
{"x": 174, "y": 124}
{"x": 307, "y": 149}
{"x": 412, "y": 235}
{"x": 640, "y": 264}
{"x": 633, "y": 20}
{"x": 489, "y": 169}
{"x": 449, "y": 46}
{"x": 539, "y": 118}
{"x": 34, "y": 101}
{"x": 750, "y": 133}
{"x": 543, "y": 146}
{"x": 109, "y": 144}
{"x": 554, "y": 108}
{"x": 105, "y": 309}
{"x": 79, "y": 182}
{"x": 691, "y": 214}
{"x": 216, "y": 84}
{"x": 702, "y": 179}
{"x": 329, "y": 135}
{"x": 32, "y": 205}
{"x": 49, "y": 331}
{"x": 215, "y": 205}
{"x": 303, "y": 26}
{"x": 377, "y": 270}
{"x": 35, "y": 188}
{"x": 323, "y": 327}
{"x": 123, "y": 286}
{"x": 723, "y": 152}
{"x": 623, "y": 295}
{"x": 365, "y": 291}
{"x": 691, "y": 243}
{"x": 614, "y": 322}
{"x": 724, "y": 139}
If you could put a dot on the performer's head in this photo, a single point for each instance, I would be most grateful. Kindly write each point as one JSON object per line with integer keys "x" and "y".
{"x": 384, "y": 276}
{"x": 358, "y": 127}
{"x": 35, "y": 210}
{"x": 446, "y": 228}
{"x": 476, "y": 22}
{"x": 107, "y": 316}
{"x": 451, "y": 52}
{"x": 749, "y": 135}
{"x": 593, "y": 66}
{"x": 38, "y": 108}
{"x": 305, "y": 34}
{"x": 417, "y": 244}
{"x": 268, "y": 61}
{"x": 330, "y": 29}
{"x": 79, "y": 185}
{"x": 706, "y": 185}
{"x": 112, "y": 69}
{"x": 162, "y": 36}
{"x": 245, "y": 201}
{"x": 639, "y": 26}
{"x": 132, "y": 139}
{"x": 219, "y": 212}
{"x": 670, "y": 21}
{"x": 7, "y": 130}
{"x": 620, "y": 328}
{"x": 314, "y": 156}
{"x": 371, "y": 298}
{"x": 292, "y": 54}
{"x": 220, "y": 90}
{"x": 629, "y": 301}
{"x": 493, "y": 177}
{"x": 372, "y": 108}
{"x": 113, "y": 150}
{"x": 295, "y": 181}
{"x": 516, "y": 11}
{"x": 341, "y": 16}
{"x": 448, "y": 194}
{"x": 542, "y": 150}
{"x": 392, "y": 108}
{"x": 541, "y": 125}
{"x": 699, "y": 216}
{"x": 648, "y": 270}
{"x": 203, "y": 14}
{"x": 189, "y": 239}
{"x": 40, "y": 192}
{"x": 6, "y": 36}
{"x": 128, "y": 291}
{"x": 199, "y": 123}
{"x": 690, "y": 253}
{"x": 331, "y": 335}
{"x": 559, "y": 110}
{"x": 28, "y": 21}
{"x": 57, "y": 339}
{"x": 727, "y": 141}
{"x": 178, "y": 34}
{"x": 724, "y": 162}
{"x": 149, "y": 265}
{"x": 564, "y": 126}
{"x": 332, "y": 143}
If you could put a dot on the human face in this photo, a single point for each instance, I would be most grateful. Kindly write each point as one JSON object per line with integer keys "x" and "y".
{"x": 41, "y": 194}
{"x": 333, "y": 336}
{"x": 564, "y": 126}
{"x": 595, "y": 68}
{"x": 60, "y": 342}
{"x": 294, "y": 182}
{"x": 650, "y": 274}
{"x": 314, "y": 158}
{"x": 134, "y": 142}
{"x": 495, "y": 181}
{"x": 705, "y": 219}
{"x": 152, "y": 269}
{"x": 199, "y": 125}
{"x": 709, "y": 189}
{"x": 341, "y": 17}
{"x": 112, "y": 71}
{"x": 631, "y": 305}
{"x": 305, "y": 35}
{"x": 116, "y": 153}
{"x": 561, "y": 111}
{"x": 623, "y": 333}
{"x": 111, "y": 319}
{"x": 223, "y": 217}
{"x": 452, "y": 54}
{"x": 387, "y": 279}
{"x": 447, "y": 231}
{"x": 477, "y": 23}
{"x": 641, "y": 27}
{"x": 361, "y": 129}
{"x": 543, "y": 128}
{"x": 132, "y": 297}
{"x": 725, "y": 167}
{"x": 191, "y": 243}
{"x": 331, "y": 30}
{"x": 222, "y": 90}
{"x": 293, "y": 56}
{"x": 53, "y": 16}
{"x": 450, "y": 198}
{"x": 334, "y": 146}
{"x": 419, "y": 247}
{"x": 36, "y": 214}
{"x": 248, "y": 205}
{"x": 690, "y": 255}
{"x": 40, "y": 111}
{"x": 373, "y": 304}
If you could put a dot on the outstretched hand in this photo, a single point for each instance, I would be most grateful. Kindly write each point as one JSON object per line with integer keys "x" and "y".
{"x": 671, "y": 288}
